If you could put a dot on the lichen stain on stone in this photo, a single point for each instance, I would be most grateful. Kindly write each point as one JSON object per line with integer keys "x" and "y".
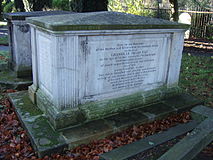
{"x": 32, "y": 119}
{"x": 44, "y": 142}
{"x": 149, "y": 115}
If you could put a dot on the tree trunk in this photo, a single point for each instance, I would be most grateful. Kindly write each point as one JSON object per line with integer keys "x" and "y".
{"x": 88, "y": 5}
{"x": 36, "y": 5}
{"x": 76, "y": 5}
{"x": 19, "y": 5}
{"x": 95, "y": 5}
{"x": 174, "y": 6}
{"x": 27, "y": 6}
{"x": 1, "y": 9}
{"x": 39, "y": 5}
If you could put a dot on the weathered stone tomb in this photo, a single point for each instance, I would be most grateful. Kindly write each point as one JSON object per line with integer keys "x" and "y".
{"x": 97, "y": 73}
{"x": 91, "y": 65}
{"x": 19, "y": 40}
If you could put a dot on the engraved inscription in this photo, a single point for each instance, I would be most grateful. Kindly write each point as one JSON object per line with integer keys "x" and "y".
{"x": 125, "y": 64}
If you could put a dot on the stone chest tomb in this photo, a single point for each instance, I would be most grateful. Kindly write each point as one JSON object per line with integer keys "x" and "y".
{"x": 19, "y": 40}
{"x": 92, "y": 65}
{"x": 97, "y": 73}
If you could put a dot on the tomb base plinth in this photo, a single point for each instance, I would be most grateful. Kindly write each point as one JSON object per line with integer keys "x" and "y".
{"x": 46, "y": 140}
{"x": 9, "y": 80}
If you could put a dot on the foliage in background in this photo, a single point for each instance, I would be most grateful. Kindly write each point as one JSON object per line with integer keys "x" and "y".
{"x": 76, "y": 5}
{"x": 37, "y": 5}
{"x": 4, "y": 40}
{"x": 95, "y": 5}
{"x": 4, "y": 55}
{"x": 210, "y": 32}
{"x": 88, "y": 5}
{"x": 130, "y": 6}
{"x": 165, "y": 14}
{"x": 197, "y": 77}
{"x": 8, "y": 7}
{"x": 61, "y": 5}
{"x": 193, "y": 4}
{"x": 19, "y": 5}
{"x": 174, "y": 10}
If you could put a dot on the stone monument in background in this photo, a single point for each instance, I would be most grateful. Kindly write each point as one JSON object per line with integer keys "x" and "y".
{"x": 19, "y": 40}
{"x": 185, "y": 18}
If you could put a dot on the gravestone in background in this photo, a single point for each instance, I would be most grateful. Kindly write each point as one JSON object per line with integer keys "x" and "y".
{"x": 93, "y": 65}
{"x": 185, "y": 18}
{"x": 19, "y": 40}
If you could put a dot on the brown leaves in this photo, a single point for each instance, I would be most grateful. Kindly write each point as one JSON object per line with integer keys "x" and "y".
{"x": 10, "y": 91}
{"x": 14, "y": 143}
{"x": 208, "y": 150}
{"x": 2, "y": 58}
{"x": 95, "y": 148}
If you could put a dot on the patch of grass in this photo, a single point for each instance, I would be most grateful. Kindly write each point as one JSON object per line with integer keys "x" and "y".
{"x": 197, "y": 77}
{"x": 3, "y": 24}
{"x": 4, "y": 40}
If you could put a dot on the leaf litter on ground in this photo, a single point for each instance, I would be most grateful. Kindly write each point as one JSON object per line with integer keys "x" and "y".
{"x": 15, "y": 144}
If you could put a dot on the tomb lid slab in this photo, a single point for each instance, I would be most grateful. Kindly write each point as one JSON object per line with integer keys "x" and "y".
{"x": 102, "y": 21}
{"x": 24, "y": 15}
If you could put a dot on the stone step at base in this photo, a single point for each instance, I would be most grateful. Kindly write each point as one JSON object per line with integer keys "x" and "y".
{"x": 192, "y": 144}
{"x": 149, "y": 142}
{"x": 46, "y": 140}
{"x": 196, "y": 141}
{"x": 186, "y": 149}
{"x": 9, "y": 80}
{"x": 3, "y": 66}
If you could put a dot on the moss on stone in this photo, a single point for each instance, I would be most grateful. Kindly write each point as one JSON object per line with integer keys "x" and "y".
{"x": 24, "y": 15}
{"x": 8, "y": 79}
{"x": 99, "y": 109}
{"x": 182, "y": 102}
{"x": 46, "y": 140}
{"x": 102, "y": 21}
{"x": 59, "y": 119}
{"x": 158, "y": 110}
{"x": 4, "y": 56}
{"x": 11, "y": 76}
{"x": 41, "y": 134}
{"x": 24, "y": 71}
